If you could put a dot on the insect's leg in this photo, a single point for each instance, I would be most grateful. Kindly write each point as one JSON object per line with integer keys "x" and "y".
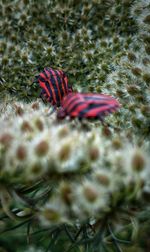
{"x": 52, "y": 111}
{"x": 43, "y": 96}
{"x": 101, "y": 120}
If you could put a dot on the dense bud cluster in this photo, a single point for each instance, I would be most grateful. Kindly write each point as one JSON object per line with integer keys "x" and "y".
{"x": 86, "y": 167}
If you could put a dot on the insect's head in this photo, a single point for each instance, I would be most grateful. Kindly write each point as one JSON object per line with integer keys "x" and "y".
{"x": 61, "y": 114}
{"x": 70, "y": 89}
{"x": 35, "y": 80}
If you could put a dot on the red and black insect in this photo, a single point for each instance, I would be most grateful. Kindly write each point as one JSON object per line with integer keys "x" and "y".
{"x": 54, "y": 84}
{"x": 56, "y": 90}
{"x": 87, "y": 105}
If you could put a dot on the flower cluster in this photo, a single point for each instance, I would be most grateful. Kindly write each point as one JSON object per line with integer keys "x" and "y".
{"x": 88, "y": 169}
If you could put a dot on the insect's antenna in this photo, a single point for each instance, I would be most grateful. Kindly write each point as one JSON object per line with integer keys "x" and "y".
{"x": 113, "y": 127}
{"x": 2, "y": 81}
{"x": 108, "y": 124}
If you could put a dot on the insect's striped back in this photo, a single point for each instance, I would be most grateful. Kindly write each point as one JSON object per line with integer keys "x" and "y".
{"x": 54, "y": 84}
{"x": 88, "y": 105}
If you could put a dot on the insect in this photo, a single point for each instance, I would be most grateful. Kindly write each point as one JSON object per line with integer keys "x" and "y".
{"x": 57, "y": 91}
{"x": 54, "y": 84}
{"x": 87, "y": 105}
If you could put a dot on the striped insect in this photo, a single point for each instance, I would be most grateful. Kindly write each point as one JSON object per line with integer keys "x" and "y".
{"x": 54, "y": 84}
{"x": 87, "y": 105}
